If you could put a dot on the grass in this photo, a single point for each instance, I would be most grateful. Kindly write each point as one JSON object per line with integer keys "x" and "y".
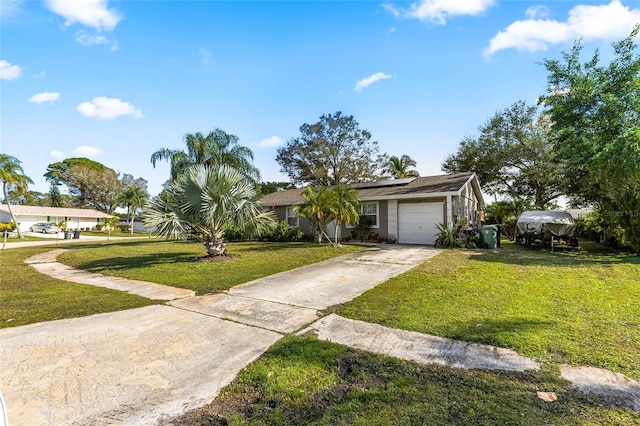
{"x": 115, "y": 234}
{"x": 28, "y": 237}
{"x": 303, "y": 381}
{"x": 580, "y": 308}
{"x": 28, "y": 297}
{"x": 172, "y": 263}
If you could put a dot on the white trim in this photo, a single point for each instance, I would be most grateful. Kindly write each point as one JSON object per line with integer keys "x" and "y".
{"x": 392, "y": 218}
{"x": 412, "y": 196}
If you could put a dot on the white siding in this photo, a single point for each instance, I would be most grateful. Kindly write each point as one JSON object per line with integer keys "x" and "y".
{"x": 392, "y": 218}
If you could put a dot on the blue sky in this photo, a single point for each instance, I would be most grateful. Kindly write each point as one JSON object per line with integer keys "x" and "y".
{"x": 116, "y": 80}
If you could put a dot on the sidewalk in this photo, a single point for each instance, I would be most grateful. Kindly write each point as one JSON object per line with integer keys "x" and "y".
{"x": 56, "y": 239}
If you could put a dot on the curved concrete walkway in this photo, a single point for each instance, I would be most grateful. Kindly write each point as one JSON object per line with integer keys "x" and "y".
{"x": 138, "y": 366}
{"x": 45, "y": 263}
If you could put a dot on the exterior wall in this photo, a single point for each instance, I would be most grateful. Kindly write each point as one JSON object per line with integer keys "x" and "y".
{"x": 138, "y": 226}
{"x": 281, "y": 213}
{"x": 383, "y": 222}
{"x": 392, "y": 219}
{"x": 465, "y": 207}
{"x": 5, "y": 217}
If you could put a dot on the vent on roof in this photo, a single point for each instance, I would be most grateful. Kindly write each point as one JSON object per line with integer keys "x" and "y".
{"x": 383, "y": 183}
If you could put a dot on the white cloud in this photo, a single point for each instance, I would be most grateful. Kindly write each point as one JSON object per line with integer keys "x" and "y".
{"x": 603, "y": 22}
{"x": 108, "y": 108}
{"x": 537, "y": 11}
{"x": 271, "y": 142}
{"x": 367, "y": 81}
{"x": 9, "y": 71}
{"x": 437, "y": 11}
{"x": 43, "y": 97}
{"x": 10, "y": 7}
{"x": 58, "y": 155}
{"x": 90, "y": 40}
{"x": 86, "y": 151}
{"x": 90, "y": 13}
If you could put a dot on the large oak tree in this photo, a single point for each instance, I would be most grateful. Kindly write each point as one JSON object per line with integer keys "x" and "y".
{"x": 335, "y": 150}
{"x": 90, "y": 183}
{"x": 512, "y": 156}
{"x": 595, "y": 113}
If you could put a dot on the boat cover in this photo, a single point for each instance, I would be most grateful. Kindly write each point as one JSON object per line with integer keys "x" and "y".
{"x": 557, "y": 223}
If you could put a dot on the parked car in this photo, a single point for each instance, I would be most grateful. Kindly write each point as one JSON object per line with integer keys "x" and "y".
{"x": 44, "y": 227}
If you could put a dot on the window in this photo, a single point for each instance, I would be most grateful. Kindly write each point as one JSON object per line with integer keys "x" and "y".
{"x": 370, "y": 211}
{"x": 292, "y": 219}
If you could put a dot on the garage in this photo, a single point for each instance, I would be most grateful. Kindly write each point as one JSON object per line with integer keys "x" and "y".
{"x": 417, "y": 222}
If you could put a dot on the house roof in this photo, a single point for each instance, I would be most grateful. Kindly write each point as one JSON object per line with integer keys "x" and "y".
{"x": 53, "y": 211}
{"x": 431, "y": 186}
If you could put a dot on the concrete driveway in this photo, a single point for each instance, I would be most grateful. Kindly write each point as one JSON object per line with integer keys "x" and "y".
{"x": 138, "y": 366}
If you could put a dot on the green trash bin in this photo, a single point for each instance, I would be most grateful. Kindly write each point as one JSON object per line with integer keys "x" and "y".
{"x": 489, "y": 236}
{"x": 67, "y": 234}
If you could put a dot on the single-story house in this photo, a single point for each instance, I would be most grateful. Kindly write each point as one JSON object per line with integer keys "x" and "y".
{"x": 75, "y": 218}
{"x": 402, "y": 210}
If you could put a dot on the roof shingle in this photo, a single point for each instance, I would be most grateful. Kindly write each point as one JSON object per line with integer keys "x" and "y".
{"x": 430, "y": 185}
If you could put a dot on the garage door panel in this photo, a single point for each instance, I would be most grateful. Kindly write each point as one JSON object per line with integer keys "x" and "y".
{"x": 417, "y": 222}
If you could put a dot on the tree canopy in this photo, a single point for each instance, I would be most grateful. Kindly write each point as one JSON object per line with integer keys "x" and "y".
{"x": 13, "y": 181}
{"x": 595, "y": 113}
{"x": 215, "y": 149}
{"x": 512, "y": 156}
{"x": 91, "y": 184}
{"x": 133, "y": 195}
{"x": 332, "y": 151}
{"x": 400, "y": 167}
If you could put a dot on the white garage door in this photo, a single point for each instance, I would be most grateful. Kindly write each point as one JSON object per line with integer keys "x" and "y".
{"x": 417, "y": 222}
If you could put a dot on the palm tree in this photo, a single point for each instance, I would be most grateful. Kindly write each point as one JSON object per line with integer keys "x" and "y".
{"x": 13, "y": 179}
{"x": 316, "y": 208}
{"x": 399, "y": 167}
{"x": 203, "y": 202}
{"x": 216, "y": 148}
{"x": 132, "y": 197}
{"x": 343, "y": 207}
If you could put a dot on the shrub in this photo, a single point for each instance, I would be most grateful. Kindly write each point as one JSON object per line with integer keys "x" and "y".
{"x": 233, "y": 234}
{"x": 99, "y": 227}
{"x": 124, "y": 227}
{"x": 446, "y": 237}
{"x": 7, "y": 226}
{"x": 283, "y": 233}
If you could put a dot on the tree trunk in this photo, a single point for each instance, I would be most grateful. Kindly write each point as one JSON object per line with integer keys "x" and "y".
{"x": 337, "y": 226}
{"x": 13, "y": 218}
{"x": 132, "y": 216}
{"x": 214, "y": 243}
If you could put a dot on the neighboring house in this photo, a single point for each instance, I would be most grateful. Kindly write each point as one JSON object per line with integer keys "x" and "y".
{"x": 402, "y": 210}
{"x": 138, "y": 224}
{"x": 75, "y": 218}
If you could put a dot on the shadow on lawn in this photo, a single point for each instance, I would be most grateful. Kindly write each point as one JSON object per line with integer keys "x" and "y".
{"x": 129, "y": 262}
{"x": 488, "y": 330}
{"x": 593, "y": 255}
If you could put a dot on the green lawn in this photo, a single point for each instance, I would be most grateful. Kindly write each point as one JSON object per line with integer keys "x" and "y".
{"x": 27, "y": 297}
{"x": 303, "y": 381}
{"x": 580, "y": 308}
{"x": 172, "y": 263}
